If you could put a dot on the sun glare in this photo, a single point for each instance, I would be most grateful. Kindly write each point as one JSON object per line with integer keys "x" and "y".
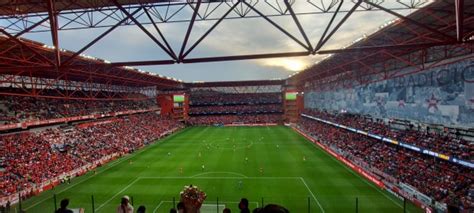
{"x": 293, "y": 65}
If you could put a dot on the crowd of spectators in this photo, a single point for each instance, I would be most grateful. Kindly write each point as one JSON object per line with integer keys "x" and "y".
{"x": 216, "y": 108}
{"x": 14, "y": 109}
{"x": 439, "y": 179}
{"x": 217, "y": 98}
{"x": 235, "y": 119}
{"x": 32, "y": 157}
{"x": 447, "y": 144}
{"x": 236, "y": 109}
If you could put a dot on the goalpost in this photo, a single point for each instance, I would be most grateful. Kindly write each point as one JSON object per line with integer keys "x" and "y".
{"x": 212, "y": 208}
{"x": 207, "y": 207}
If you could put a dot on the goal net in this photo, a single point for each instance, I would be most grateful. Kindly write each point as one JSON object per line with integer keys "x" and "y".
{"x": 212, "y": 208}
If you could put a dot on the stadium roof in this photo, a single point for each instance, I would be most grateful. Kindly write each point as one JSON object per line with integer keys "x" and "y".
{"x": 34, "y": 59}
{"x": 431, "y": 34}
{"x": 436, "y": 25}
{"x": 235, "y": 83}
{"x": 8, "y": 7}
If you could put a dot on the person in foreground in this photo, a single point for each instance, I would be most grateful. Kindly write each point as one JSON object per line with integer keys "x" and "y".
{"x": 63, "y": 206}
{"x": 244, "y": 205}
{"x": 125, "y": 206}
{"x": 141, "y": 209}
{"x": 271, "y": 208}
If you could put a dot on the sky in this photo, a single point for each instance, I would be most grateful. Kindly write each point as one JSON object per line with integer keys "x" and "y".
{"x": 230, "y": 37}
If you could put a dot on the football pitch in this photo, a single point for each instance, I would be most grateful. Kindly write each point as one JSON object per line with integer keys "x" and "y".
{"x": 263, "y": 164}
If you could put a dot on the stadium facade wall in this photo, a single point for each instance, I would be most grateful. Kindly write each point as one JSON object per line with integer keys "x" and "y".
{"x": 439, "y": 95}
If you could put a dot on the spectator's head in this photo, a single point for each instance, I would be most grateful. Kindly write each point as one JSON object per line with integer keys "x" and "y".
{"x": 244, "y": 203}
{"x": 453, "y": 209}
{"x": 125, "y": 200}
{"x": 226, "y": 210}
{"x": 173, "y": 210}
{"x": 64, "y": 203}
{"x": 273, "y": 208}
{"x": 141, "y": 209}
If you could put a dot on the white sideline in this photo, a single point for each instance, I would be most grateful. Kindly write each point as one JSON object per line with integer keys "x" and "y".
{"x": 118, "y": 193}
{"x": 311, "y": 192}
{"x": 83, "y": 180}
{"x": 197, "y": 177}
{"x": 357, "y": 175}
{"x": 158, "y": 206}
{"x": 371, "y": 185}
{"x": 113, "y": 164}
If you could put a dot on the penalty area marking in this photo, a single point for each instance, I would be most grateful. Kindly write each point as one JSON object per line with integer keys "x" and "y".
{"x": 220, "y": 178}
{"x": 230, "y": 173}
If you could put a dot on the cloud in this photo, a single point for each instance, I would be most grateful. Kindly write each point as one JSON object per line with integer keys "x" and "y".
{"x": 231, "y": 37}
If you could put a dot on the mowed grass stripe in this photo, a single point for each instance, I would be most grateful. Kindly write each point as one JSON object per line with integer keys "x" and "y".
{"x": 278, "y": 150}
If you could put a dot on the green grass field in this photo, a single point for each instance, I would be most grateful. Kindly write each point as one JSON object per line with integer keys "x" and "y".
{"x": 153, "y": 177}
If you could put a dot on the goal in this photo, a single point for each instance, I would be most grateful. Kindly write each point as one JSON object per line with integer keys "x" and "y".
{"x": 212, "y": 208}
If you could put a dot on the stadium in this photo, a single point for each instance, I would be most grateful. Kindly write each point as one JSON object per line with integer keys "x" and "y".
{"x": 236, "y": 106}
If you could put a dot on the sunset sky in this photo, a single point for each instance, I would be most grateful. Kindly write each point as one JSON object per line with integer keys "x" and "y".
{"x": 231, "y": 37}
